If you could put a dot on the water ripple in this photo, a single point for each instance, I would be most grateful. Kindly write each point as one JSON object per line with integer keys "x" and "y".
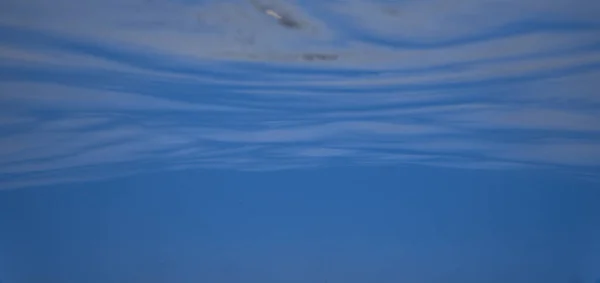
{"x": 126, "y": 87}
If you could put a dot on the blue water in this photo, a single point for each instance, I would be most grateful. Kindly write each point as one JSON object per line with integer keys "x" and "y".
{"x": 469, "y": 95}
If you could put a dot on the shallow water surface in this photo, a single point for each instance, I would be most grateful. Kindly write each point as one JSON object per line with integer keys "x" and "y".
{"x": 92, "y": 89}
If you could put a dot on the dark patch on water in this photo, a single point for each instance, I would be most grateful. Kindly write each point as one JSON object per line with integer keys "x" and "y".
{"x": 284, "y": 19}
{"x": 289, "y": 22}
{"x": 319, "y": 57}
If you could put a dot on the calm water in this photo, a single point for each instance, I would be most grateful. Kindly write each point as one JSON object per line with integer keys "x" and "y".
{"x": 479, "y": 118}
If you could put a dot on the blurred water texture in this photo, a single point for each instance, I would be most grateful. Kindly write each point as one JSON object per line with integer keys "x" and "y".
{"x": 99, "y": 89}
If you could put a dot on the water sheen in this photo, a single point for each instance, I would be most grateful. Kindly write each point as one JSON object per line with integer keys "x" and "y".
{"x": 99, "y": 89}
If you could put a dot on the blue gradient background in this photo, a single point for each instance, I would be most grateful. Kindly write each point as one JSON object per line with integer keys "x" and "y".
{"x": 349, "y": 141}
{"x": 331, "y": 225}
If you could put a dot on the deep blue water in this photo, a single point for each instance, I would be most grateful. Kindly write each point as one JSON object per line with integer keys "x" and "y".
{"x": 299, "y": 141}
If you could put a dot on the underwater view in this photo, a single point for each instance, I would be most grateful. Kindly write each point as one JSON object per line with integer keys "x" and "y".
{"x": 268, "y": 141}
